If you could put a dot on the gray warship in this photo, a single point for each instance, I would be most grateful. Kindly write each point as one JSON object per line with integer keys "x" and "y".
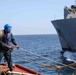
{"x": 66, "y": 29}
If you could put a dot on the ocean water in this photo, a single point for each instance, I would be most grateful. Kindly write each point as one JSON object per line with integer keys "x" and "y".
{"x": 47, "y": 46}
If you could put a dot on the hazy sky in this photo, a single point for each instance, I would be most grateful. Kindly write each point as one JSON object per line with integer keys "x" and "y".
{"x": 32, "y": 16}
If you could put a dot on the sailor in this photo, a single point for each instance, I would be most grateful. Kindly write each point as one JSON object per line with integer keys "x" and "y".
{"x": 6, "y": 39}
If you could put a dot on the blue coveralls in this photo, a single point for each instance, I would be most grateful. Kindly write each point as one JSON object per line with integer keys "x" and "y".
{"x": 7, "y": 39}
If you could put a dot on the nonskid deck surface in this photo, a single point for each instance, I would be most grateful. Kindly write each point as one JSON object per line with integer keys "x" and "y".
{"x": 17, "y": 70}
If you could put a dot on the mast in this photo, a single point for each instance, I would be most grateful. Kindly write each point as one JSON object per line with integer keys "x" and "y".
{"x": 75, "y": 2}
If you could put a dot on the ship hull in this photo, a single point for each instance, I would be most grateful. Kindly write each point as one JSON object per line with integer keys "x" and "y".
{"x": 66, "y": 29}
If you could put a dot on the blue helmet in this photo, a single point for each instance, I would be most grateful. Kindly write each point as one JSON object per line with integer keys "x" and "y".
{"x": 7, "y": 26}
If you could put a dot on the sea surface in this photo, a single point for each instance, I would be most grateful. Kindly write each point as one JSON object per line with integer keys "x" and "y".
{"x": 36, "y": 50}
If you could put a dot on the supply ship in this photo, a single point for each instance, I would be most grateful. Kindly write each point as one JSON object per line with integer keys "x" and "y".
{"x": 66, "y": 28}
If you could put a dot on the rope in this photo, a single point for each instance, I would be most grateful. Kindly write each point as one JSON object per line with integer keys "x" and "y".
{"x": 44, "y": 65}
{"x": 2, "y": 72}
{"x": 57, "y": 67}
{"x": 45, "y": 58}
{"x": 37, "y": 62}
{"x": 27, "y": 58}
